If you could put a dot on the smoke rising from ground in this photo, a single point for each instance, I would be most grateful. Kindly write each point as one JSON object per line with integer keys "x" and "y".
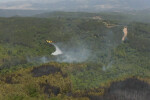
{"x": 40, "y": 60}
{"x": 64, "y": 53}
{"x": 71, "y": 52}
{"x": 75, "y": 54}
{"x": 78, "y": 51}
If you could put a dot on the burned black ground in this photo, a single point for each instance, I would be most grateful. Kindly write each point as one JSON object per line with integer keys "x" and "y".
{"x": 45, "y": 70}
{"x": 130, "y": 89}
{"x": 48, "y": 89}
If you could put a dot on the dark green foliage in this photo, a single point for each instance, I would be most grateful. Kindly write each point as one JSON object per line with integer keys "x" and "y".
{"x": 139, "y": 35}
{"x": 16, "y": 97}
{"x": 23, "y": 39}
{"x": 32, "y": 91}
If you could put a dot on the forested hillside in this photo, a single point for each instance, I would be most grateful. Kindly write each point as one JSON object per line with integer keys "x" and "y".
{"x": 101, "y": 60}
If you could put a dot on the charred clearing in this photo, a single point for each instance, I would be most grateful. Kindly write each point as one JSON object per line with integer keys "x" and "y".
{"x": 49, "y": 90}
{"x": 129, "y": 89}
{"x": 45, "y": 70}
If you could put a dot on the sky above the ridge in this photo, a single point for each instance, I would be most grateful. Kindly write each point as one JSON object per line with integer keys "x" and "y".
{"x": 75, "y": 5}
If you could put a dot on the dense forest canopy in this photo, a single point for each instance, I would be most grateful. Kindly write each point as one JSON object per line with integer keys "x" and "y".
{"x": 100, "y": 57}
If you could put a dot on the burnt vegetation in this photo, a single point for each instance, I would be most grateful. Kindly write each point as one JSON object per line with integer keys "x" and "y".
{"x": 45, "y": 70}
{"x": 130, "y": 89}
{"x": 105, "y": 75}
{"x": 50, "y": 90}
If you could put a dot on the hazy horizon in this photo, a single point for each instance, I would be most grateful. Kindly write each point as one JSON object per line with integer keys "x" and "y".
{"x": 75, "y": 5}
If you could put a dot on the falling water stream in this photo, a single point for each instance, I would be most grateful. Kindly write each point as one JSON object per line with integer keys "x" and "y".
{"x": 58, "y": 51}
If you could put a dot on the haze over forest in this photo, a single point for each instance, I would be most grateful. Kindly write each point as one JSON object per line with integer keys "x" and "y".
{"x": 75, "y": 5}
{"x": 74, "y": 50}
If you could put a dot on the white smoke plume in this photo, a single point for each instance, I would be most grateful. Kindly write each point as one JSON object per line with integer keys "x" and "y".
{"x": 72, "y": 54}
{"x": 77, "y": 51}
{"x": 63, "y": 53}
{"x": 43, "y": 59}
